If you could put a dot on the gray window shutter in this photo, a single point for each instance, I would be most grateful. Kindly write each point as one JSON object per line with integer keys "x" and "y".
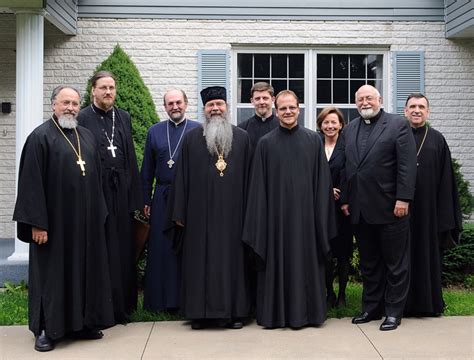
{"x": 408, "y": 76}
{"x": 213, "y": 70}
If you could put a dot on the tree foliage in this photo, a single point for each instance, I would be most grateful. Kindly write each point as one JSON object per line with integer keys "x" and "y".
{"x": 132, "y": 96}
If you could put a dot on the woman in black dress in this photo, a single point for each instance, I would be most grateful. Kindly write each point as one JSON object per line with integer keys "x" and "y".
{"x": 330, "y": 123}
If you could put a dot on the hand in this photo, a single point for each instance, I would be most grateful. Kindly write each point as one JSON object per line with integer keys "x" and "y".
{"x": 401, "y": 208}
{"x": 39, "y": 236}
{"x": 179, "y": 223}
{"x": 336, "y": 192}
{"x": 147, "y": 210}
{"x": 345, "y": 209}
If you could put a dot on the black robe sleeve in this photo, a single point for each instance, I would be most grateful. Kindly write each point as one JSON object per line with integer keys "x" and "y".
{"x": 31, "y": 208}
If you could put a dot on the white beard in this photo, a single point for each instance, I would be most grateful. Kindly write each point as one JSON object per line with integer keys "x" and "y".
{"x": 218, "y": 133}
{"x": 67, "y": 121}
{"x": 368, "y": 113}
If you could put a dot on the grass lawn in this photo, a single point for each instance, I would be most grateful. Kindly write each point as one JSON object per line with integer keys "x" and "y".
{"x": 14, "y": 306}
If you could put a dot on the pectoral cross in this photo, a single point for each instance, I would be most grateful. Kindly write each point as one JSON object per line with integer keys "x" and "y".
{"x": 81, "y": 163}
{"x": 170, "y": 163}
{"x": 112, "y": 149}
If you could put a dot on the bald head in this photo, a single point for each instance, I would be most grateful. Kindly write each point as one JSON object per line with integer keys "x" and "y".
{"x": 175, "y": 102}
{"x": 368, "y": 101}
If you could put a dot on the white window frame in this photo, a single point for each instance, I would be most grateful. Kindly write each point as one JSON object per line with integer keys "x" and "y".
{"x": 310, "y": 54}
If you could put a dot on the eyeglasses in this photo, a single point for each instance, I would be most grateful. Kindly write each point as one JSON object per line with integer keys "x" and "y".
{"x": 366, "y": 98}
{"x": 288, "y": 108}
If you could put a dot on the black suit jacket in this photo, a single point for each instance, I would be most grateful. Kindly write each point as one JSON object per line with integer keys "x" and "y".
{"x": 371, "y": 182}
{"x": 336, "y": 161}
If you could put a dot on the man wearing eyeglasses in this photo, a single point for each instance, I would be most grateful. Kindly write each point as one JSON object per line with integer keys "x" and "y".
{"x": 289, "y": 221}
{"x": 378, "y": 184}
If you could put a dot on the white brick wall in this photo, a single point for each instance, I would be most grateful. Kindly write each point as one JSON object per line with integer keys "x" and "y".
{"x": 7, "y": 124}
{"x": 165, "y": 52}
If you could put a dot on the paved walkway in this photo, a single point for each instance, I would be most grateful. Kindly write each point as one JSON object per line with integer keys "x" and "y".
{"x": 428, "y": 338}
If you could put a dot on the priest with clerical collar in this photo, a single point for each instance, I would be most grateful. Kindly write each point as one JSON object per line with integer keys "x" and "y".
{"x": 60, "y": 211}
{"x": 264, "y": 121}
{"x": 112, "y": 129}
{"x": 162, "y": 150}
{"x": 290, "y": 219}
{"x": 206, "y": 210}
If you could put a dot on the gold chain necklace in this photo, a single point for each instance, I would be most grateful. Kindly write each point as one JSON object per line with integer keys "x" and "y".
{"x": 421, "y": 145}
{"x": 79, "y": 161}
{"x": 221, "y": 165}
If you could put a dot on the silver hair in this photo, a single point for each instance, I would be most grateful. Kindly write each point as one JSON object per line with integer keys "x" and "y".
{"x": 58, "y": 89}
{"x": 218, "y": 133}
{"x": 375, "y": 89}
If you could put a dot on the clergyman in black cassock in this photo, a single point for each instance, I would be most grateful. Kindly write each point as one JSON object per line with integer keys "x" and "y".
{"x": 60, "y": 211}
{"x": 289, "y": 221}
{"x": 436, "y": 220}
{"x": 121, "y": 185}
{"x": 207, "y": 203}
{"x": 263, "y": 121}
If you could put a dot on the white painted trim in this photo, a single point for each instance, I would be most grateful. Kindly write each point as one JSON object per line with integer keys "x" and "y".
{"x": 29, "y": 90}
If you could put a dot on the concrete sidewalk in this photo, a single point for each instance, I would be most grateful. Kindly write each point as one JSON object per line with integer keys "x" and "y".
{"x": 427, "y": 338}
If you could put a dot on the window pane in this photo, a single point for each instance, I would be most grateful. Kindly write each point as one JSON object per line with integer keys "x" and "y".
{"x": 374, "y": 66}
{"x": 262, "y": 65}
{"x": 279, "y": 66}
{"x": 341, "y": 66}
{"x": 340, "y": 92}
{"x": 353, "y": 113}
{"x": 376, "y": 84}
{"x": 296, "y": 65}
{"x": 244, "y": 64}
{"x": 358, "y": 66}
{"x": 279, "y": 85}
{"x": 324, "y": 66}
{"x": 244, "y": 91}
{"x": 298, "y": 87}
{"x": 355, "y": 85}
{"x": 323, "y": 91}
{"x": 244, "y": 113}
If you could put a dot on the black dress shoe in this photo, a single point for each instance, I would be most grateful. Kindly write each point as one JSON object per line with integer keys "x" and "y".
{"x": 197, "y": 324}
{"x": 390, "y": 323}
{"x": 43, "y": 343}
{"x": 365, "y": 317}
{"x": 87, "y": 334}
{"x": 235, "y": 324}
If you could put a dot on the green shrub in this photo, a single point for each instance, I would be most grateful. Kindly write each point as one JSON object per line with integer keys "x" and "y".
{"x": 458, "y": 262}
{"x": 466, "y": 199}
{"x": 132, "y": 96}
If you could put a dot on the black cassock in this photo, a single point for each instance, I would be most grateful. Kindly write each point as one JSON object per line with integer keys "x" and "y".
{"x": 122, "y": 191}
{"x": 435, "y": 218}
{"x": 69, "y": 286}
{"x": 213, "y": 276}
{"x": 289, "y": 222}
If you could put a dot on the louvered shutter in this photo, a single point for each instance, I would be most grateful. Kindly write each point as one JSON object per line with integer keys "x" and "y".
{"x": 213, "y": 70}
{"x": 408, "y": 76}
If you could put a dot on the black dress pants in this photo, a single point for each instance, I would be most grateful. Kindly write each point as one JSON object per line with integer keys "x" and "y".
{"x": 384, "y": 263}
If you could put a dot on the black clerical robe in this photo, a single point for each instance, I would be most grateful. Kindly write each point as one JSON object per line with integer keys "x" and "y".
{"x": 122, "y": 191}
{"x": 69, "y": 285}
{"x": 435, "y": 218}
{"x": 211, "y": 206}
{"x": 290, "y": 219}
{"x": 257, "y": 127}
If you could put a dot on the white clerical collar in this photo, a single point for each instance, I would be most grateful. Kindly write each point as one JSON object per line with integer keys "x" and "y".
{"x": 177, "y": 124}
{"x": 367, "y": 121}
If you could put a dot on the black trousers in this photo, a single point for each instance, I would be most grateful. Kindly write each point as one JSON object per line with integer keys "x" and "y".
{"x": 384, "y": 263}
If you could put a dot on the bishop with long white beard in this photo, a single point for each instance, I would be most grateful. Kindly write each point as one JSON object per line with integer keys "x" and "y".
{"x": 207, "y": 209}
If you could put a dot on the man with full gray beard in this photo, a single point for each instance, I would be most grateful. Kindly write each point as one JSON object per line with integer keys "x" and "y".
{"x": 60, "y": 210}
{"x": 207, "y": 206}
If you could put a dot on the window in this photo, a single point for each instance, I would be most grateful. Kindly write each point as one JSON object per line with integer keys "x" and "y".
{"x": 319, "y": 77}
{"x": 281, "y": 70}
{"x": 338, "y": 76}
